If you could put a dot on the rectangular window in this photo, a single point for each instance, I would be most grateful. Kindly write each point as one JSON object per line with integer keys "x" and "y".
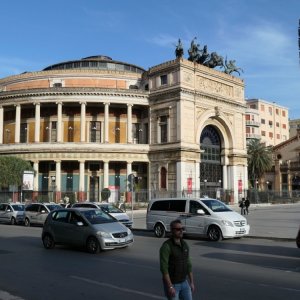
{"x": 263, "y": 133}
{"x": 95, "y": 132}
{"x": 23, "y": 133}
{"x": 277, "y": 111}
{"x": 277, "y": 124}
{"x": 278, "y": 136}
{"x": 270, "y": 111}
{"x": 263, "y": 121}
{"x": 271, "y": 124}
{"x": 253, "y": 106}
{"x": 284, "y": 126}
{"x": 53, "y": 136}
{"x": 163, "y": 124}
{"x": 283, "y": 113}
{"x": 163, "y": 80}
{"x": 262, "y": 107}
{"x": 271, "y": 135}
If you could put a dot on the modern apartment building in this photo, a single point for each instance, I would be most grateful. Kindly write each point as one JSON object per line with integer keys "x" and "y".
{"x": 267, "y": 121}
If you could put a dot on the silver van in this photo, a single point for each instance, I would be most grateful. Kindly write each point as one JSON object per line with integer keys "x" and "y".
{"x": 12, "y": 213}
{"x": 205, "y": 217}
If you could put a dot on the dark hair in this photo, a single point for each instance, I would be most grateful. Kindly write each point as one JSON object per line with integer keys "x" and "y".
{"x": 177, "y": 221}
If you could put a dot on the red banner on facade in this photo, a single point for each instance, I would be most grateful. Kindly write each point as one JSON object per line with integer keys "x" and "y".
{"x": 240, "y": 186}
{"x": 189, "y": 185}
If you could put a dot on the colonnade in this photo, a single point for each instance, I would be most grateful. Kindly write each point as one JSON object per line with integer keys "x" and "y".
{"x": 60, "y": 122}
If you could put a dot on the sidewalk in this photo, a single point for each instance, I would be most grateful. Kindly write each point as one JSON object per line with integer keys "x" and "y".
{"x": 280, "y": 221}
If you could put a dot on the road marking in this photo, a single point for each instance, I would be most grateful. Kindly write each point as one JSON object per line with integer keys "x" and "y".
{"x": 8, "y": 296}
{"x": 104, "y": 284}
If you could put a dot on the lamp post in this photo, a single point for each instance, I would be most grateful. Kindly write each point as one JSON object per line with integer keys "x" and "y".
{"x": 205, "y": 181}
{"x": 267, "y": 182}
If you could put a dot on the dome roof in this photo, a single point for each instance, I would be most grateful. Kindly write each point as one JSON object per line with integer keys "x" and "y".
{"x": 97, "y": 62}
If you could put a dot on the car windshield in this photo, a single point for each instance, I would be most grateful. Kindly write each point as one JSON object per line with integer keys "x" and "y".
{"x": 98, "y": 216}
{"x": 18, "y": 207}
{"x": 216, "y": 205}
{"x": 111, "y": 209}
{"x": 53, "y": 206}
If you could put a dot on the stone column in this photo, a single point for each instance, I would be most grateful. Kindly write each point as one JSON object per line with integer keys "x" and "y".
{"x": 81, "y": 195}
{"x": 59, "y": 121}
{"x": 129, "y": 171}
{"x": 37, "y": 122}
{"x": 1, "y": 124}
{"x": 106, "y": 122}
{"x": 36, "y": 176}
{"x": 58, "y": 176}
{"x": 18, "y": 123}
{"x": 106, "y": 174}
{"x": 129, "y": 123}
{"x": 224, "y": 180}
{"x": 82, "y": 121}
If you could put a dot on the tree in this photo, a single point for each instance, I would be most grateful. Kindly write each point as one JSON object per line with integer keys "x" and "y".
{"x": 12, "y": 169}
{"x": 259, "y": 160}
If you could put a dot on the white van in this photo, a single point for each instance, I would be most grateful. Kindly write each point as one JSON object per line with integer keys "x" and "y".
{"x": 204, "y": 217}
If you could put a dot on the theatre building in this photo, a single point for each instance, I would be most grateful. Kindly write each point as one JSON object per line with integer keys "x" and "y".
{"x": 88, "y": 124}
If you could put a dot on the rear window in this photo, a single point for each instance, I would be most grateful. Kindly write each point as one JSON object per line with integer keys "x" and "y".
{"x": 169, "y": 205}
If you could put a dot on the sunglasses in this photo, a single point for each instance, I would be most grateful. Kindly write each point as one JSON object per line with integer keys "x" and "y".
{"x": 178, "y": 229}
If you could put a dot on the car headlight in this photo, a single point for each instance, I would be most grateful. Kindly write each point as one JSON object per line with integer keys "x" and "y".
{"x": 227, "y": 223}
{"x": 103, "y": 234}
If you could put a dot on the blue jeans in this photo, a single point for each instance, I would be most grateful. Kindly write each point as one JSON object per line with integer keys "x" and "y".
{"x": 183, "y": 291}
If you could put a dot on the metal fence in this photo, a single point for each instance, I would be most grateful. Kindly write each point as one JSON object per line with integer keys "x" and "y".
{"x": 141, "y": 198}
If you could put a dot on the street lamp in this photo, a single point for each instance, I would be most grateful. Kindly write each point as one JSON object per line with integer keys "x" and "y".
{"x": 267, "y": 182}
{"x": 205, "y": 181}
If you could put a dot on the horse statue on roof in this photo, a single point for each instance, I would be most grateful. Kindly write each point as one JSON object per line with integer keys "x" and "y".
{"x": 214, "y": 60}
{"x": 230, "y": 67}
{"x": 179, "y": 49}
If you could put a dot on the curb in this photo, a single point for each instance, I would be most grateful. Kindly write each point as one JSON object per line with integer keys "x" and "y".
{"x": 273, "y": 238}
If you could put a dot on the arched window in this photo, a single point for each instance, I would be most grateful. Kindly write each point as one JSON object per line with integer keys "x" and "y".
{"x": 163, "y": 178}
{"x": 210, "y": 144}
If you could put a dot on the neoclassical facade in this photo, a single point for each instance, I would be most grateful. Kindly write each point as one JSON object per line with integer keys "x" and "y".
{"x": 88, "y": 124}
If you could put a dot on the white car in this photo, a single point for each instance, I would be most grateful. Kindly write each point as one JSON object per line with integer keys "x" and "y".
{"x": 117, "y": 213}
{"x": 12, "y": 213}
{"x": 204, "y": 217}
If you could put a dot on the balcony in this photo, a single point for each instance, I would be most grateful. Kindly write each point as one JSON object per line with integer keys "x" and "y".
{"x": 253, "y": 136}
{"x": 252, "y": 123}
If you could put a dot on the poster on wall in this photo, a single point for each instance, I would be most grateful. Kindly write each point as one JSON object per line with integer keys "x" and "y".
{"x": 189, "y": 185}
{"x": 240, "y": 186}
{"x": 28, "y": 181}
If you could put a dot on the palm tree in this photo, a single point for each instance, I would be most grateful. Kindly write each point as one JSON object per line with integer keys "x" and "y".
{"x": 259, "y": 160}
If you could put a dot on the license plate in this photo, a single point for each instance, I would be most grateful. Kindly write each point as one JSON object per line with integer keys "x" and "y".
{"x": 121, "y": 240}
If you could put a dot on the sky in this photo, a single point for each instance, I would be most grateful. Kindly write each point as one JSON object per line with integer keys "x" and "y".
{"x": 260, "y": 35}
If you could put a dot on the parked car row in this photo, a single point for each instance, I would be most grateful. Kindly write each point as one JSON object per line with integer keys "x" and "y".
{"x": 36, "y": 213}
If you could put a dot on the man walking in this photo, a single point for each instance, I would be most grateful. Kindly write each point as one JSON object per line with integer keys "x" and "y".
{"x": 175, "y": 265}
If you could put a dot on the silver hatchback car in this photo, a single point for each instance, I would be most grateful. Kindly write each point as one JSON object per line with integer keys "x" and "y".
{"x": 12, "y": 213}
{"x": 36, "y": 213}
{"x": 92, "y": 228}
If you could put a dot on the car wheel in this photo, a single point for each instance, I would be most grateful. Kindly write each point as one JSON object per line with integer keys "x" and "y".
{"x": 159, "y": 230}
{"x": 214, "y": 233}
{"x": 27, "y": 222}
{"x": 13, "y": 221}
{"x": 92, "y": 245}
{"x": 48, "y": 241}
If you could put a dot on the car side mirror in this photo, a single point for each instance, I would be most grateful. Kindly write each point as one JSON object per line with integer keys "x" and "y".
{"x": 8, "y": 210}
{"x": 201, "y": 212}
{"x": 43, "y": 211}
{"x": 79, "y": 224}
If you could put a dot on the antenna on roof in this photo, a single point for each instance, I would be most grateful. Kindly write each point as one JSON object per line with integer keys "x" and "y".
{"x": 299, "y": 39}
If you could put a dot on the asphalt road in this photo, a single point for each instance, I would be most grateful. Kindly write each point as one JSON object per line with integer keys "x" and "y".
{"x": 232, "y": 269}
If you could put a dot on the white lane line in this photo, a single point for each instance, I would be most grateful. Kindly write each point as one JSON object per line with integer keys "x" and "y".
{"x": 8, "y": 296}
{"x": 104, "y": 284}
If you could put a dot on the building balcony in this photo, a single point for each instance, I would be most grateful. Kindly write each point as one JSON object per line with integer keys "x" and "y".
{"x": 253, "y": 136}
{"x": 252, "y": 123}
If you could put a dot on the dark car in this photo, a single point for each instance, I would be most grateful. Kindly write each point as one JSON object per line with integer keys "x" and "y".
{"x": 91, "y": 228}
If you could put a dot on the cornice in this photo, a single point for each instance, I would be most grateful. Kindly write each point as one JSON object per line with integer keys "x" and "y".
{"x": 73, "y": 92}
